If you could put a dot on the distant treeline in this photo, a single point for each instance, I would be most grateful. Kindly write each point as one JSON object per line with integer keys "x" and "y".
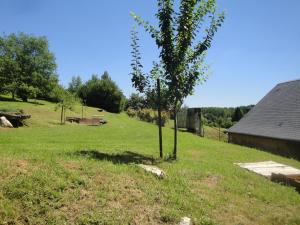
{"x": 222, "y": 116}
{"x": 28, "y": 71}
{"x": 212, "y": 116}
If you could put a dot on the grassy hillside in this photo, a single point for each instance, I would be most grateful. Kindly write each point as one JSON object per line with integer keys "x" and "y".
{"x": 213, "y": 133}
{"x": 76, "y": 174}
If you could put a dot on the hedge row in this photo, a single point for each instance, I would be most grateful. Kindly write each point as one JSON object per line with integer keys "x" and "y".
{"x": 148, "y": 115}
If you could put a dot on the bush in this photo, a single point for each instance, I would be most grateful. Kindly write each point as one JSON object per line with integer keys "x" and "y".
{"x": 135, "y": 102}
{"x": 145, "y": 115}
{"x": 24, "y": 92}
{"x": 165, "y": 116}
{"x": 102, "y": 93}
{"x": 148, "y": 115}
{"x": 131, "y": 112}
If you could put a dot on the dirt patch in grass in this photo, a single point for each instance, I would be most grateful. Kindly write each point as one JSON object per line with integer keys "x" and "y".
{"x": 110, "y": 199}
{"x": 11, "y": 168}
{"x": 5, "y": 129}
{"x": 227, "y": 208}
{"x": 125, "y": 191}
{"x": 21, "y": 163}
{"x": 144, "y": 214}
{"x": 236, "y": 210}
{"x": 72, "y": 210}
{"x": 126, "y": 196}
{"x": 71, "y": 165}
{"x": 134, "y": 199}
{"x": 211, "y": 181}
{"x": 208, "y": 182}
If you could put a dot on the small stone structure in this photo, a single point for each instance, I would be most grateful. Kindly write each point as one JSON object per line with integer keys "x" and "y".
{"x": 191, "y": 120}
{"x": 275, "y": 172}
{"x": 15, "y": 118}
{"x": 5, "y": 123}
{"x": 95, "y": 121}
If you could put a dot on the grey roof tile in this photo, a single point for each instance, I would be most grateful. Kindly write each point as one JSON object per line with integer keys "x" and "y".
{"x": 277, "y": 115}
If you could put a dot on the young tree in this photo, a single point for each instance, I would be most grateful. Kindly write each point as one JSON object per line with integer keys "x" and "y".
{"x": 66, "y": 101}
{"x": 149, "y": 84}
{"x": 181, "y": 52}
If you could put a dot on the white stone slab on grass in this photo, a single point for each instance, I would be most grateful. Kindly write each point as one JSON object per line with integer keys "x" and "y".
{"x": 185, "y": 221}
{"x": 154, "y": 170}
{"x": 5, "y": 122}
{"x": 268, "y": 168}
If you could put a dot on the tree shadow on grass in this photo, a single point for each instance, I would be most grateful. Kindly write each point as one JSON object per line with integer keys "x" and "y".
{"x": 9, "y": 99}
{"x": 35, "y": 103}
{"x": 183, "y": 130}
{"x": 126, "y": 157}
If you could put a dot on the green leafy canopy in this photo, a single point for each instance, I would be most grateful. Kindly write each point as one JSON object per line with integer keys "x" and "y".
{"x": 27, "y": 67}
{"x": 182, "y": 52}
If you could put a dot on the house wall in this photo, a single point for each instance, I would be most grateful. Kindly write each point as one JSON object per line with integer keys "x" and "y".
{"x": 281, "y": 147}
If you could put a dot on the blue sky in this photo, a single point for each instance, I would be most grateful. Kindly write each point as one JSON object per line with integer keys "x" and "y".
{"x": 256, "y": 48}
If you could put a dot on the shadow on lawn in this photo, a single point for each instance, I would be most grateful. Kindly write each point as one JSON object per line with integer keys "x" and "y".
{"x": 8, "y": 99}
{"x": 35, "y": 103}
{"x": 126, "y": 157}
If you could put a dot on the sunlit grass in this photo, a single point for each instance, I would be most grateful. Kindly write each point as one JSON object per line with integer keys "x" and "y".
{"x": 76, "y": 174}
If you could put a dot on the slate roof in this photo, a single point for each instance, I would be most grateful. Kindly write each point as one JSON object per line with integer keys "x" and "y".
{"x": 277, "y": 115}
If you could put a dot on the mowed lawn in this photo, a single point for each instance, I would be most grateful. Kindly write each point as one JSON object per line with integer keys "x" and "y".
{"x": 77, "y": 174}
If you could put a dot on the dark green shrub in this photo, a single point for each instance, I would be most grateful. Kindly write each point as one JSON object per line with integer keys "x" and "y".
{"x": 148, "y": 115}
{"x": 136, "y": 102}
{"x": 102, "y": 93}
{"x": 24, "y": 92}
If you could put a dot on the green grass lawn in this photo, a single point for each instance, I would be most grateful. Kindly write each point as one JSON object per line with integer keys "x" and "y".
{"x": 76, "y": 174}
{"x": 213, "y": 133}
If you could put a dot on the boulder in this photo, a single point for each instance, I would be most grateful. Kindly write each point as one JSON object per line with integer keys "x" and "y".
{"x": 15, "y": 118}
{"x": 5, "y": 123}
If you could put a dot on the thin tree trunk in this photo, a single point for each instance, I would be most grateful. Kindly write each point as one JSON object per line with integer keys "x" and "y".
{"x": 65, "y": 115}
{"x": 61, "y": 115}
{"x": 82, "y": 111}
{"x": 159, "y": 119}
{"x": 219, "y": 132}
{"x": 13, "y": 95}
{"x": 175, "y": 135}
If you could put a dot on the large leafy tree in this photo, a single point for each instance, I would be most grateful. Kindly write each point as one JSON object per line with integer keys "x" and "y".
{"x": 27, "y": 67}
{"x": 65, "y": 101}
{"x": 182, "y": 51}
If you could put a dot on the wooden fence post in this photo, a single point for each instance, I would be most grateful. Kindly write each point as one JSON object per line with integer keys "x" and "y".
{"x": 159, "y": 119}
